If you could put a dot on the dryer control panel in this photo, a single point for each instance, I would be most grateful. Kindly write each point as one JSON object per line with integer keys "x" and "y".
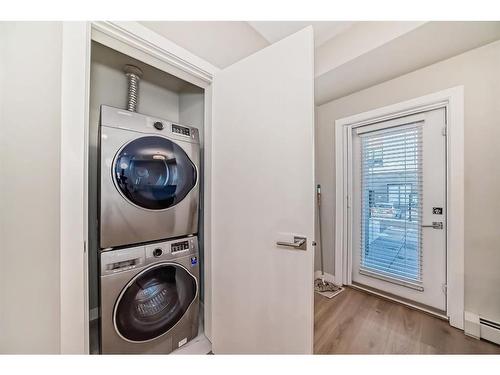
{"x": 181, "y": 130}
{"x": 123, "y": 119}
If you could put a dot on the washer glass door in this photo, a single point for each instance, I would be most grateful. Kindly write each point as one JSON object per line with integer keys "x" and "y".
{"x": 154, "y": 301}
{"x": 153, "y": 172}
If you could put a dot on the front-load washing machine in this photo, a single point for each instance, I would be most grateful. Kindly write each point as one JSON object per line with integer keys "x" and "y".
{"x": 149, "y": 188}
{"x": 149, "y": 297}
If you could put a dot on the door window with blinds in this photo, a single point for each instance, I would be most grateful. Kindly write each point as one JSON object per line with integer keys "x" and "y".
{"x": 391, "y": 204}
{"x": 397, "y": 212}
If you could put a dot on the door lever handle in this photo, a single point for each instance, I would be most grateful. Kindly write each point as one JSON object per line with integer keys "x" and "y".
{"x": 299, "y": 243}
{"x": 434, "y": 225}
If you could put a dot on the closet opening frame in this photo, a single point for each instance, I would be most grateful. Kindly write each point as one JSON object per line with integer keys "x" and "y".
{"x": 141, "y": 43}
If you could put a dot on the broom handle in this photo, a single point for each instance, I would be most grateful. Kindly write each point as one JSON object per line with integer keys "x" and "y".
{"x": 318, "y": 199}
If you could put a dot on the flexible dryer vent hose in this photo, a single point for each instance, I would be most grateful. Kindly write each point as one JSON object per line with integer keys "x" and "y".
{"x": 134, "y": 74}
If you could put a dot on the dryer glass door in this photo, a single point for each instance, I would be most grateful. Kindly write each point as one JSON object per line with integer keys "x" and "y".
{"x": 153, "y": 302}
{"x": 153, "y": 172}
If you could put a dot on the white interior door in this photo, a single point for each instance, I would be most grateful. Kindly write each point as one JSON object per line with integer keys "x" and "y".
{"x": 399, "y": 191}
{"x": 263, "y": 192}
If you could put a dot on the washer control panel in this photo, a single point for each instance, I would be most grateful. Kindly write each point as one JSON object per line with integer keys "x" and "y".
{"x": 173, "y": 249}
{"x": 179, "y": 246}
{"x": 157, "y": 252}
{"x": 114, "y": 261}
{"x": 120, "y": 260}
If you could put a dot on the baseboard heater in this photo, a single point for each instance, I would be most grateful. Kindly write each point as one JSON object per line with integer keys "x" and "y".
{"x": 490, "y": 330}
{"x": 478, "y": 327}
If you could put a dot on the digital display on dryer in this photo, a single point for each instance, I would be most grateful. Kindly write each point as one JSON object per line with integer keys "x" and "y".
{"x": 181, "y": 130}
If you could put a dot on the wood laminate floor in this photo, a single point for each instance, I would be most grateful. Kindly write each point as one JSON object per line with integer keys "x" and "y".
{"x": 355, "y": 322}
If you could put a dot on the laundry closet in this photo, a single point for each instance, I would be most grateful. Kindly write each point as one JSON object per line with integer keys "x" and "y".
{"x": 247, "y": 268}
{"x": 146, "y": 264}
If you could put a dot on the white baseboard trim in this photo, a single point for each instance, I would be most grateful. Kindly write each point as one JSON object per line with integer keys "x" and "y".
{"x": 481, "y": 328}
{"x": 472, "y": 327}
{"x": 328, "y": 277}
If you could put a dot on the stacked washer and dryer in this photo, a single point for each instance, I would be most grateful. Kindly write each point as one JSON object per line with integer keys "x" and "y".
{"x": 148, "y": 222}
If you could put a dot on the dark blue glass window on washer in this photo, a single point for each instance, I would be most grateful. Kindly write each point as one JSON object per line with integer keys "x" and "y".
{"x": 154, "y": 173}
{"x": 155, "y": 302}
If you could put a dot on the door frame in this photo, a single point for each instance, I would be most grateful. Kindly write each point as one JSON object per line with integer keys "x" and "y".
{"x": 153, "y": 49}
{"x": 453, "y": 101}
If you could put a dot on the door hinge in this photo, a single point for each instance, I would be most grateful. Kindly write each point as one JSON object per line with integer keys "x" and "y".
{"x": 445, "y": 288}
{"x": 443, "y": 131}
{"x": 84, "y": 247}
{"x": 348, "y": 201}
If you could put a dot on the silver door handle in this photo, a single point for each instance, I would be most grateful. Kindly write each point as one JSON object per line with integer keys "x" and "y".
{"x": 434, "y": 225}
{"x": 298, "y": 243}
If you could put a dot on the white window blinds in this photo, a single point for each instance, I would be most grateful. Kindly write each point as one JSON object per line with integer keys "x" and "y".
{"x": 391, "y": 183}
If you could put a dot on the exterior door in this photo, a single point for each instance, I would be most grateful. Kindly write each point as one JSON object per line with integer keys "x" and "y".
{"x": 263, "y": 192}
{"x": 399, "y": 208}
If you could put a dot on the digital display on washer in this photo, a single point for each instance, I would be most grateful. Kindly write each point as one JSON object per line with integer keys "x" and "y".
{"x": 179, "y": 246}
{"x": 181, "y": 130}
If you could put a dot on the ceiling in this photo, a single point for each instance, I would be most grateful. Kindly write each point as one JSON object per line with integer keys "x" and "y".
{"x": 408, "y": 52}
{"x": 273, "y": 31}
{"x": 221, "y": 43}
{"x": 349, "y": 56}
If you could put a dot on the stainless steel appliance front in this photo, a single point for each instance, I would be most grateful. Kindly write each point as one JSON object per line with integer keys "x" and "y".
{"x": 149, "y": 297}
{"x": 149, "y": 188}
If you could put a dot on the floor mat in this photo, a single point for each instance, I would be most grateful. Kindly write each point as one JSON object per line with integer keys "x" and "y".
{"x": 334, "y": 289}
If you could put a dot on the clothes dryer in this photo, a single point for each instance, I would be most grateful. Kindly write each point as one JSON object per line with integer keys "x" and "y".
{"x": 149, "y": 178}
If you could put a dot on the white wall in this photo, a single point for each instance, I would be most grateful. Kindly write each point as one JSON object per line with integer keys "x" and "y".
{"x": 478, "y": 70}
{"x": 108, "y": 86}
{"x": 29, "y": 186}
{"x": 192, "y": 107}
